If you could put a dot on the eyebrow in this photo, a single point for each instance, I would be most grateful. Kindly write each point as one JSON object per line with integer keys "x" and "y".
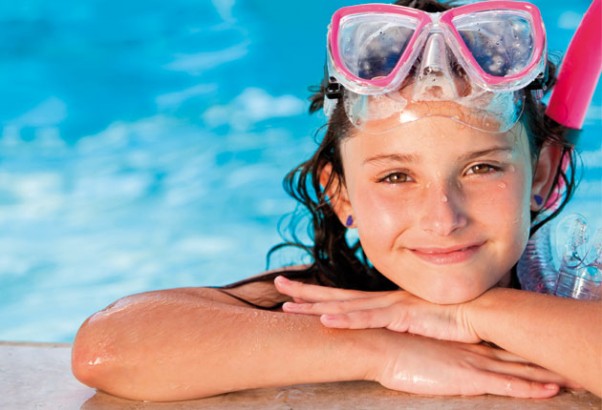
{"x": 391, "y": 158}
{"x": 410, "y": 158}
{"x": 494, "y": 150}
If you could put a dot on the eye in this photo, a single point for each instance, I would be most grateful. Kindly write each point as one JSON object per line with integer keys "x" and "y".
{"x": 481, "y": 169}
{"x": 396, "y": 178}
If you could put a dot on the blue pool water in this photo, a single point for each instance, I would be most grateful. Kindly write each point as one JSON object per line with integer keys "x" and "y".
{"x": 143, "y": 143}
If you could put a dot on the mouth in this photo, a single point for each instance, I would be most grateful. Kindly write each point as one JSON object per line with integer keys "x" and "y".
{"x": 446, "y": 256}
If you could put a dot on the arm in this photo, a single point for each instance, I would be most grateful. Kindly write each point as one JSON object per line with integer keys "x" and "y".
{"x": 562, "y": 335}
{"x": 190, "y": 343}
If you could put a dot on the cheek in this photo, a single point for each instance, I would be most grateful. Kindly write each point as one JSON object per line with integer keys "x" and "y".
{"x": 502, "y": 201}
{"x": 505, "y": 206}
{"x": 379, "y": 213}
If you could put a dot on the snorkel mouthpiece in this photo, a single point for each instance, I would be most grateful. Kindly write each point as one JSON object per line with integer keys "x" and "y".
{"x": 579, "y": 72}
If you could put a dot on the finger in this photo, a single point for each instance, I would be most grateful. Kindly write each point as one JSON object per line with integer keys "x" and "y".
{"x": 346, "y": 306}
{"x": 315, "y": 293}
{"x": 523, "y": 370}
{"x": 373, "y": 302}
{"x": 524, "y": 367}
{"x": 527, "y": 371}
{"x": 494, "y": 353}
{"x": 366, "y": 319}
{"x": 300, "y": 308}
{"x": 504, "y": 385}
{"x": 502, "y": 354}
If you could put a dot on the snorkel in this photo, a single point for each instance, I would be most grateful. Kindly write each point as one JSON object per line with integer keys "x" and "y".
{"x": 579, "y": 73}
{"x": 580, "y": 273}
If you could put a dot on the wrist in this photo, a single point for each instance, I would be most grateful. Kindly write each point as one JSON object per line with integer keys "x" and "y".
{"x": 377, "y": 347}
{"x": 360, "y": 357}
{"x": 480, "y": 313}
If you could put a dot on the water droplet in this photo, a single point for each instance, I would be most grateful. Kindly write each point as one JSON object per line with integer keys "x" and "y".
{"x": 502, "y": 185}
{"x": 444, "y": 199}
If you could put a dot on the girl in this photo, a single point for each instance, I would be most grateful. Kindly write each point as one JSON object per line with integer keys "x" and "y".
{"x": 439, "y": 158}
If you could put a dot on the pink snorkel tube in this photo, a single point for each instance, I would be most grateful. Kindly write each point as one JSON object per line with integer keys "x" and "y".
{"x": 579, "y": 72}
{"x": 577, "y": 79}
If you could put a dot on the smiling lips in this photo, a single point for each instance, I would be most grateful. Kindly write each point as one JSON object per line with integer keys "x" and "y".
{"x": 445, "y": 256}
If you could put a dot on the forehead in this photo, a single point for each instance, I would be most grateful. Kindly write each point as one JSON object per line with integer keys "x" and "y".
{"x": 434, "y": 136}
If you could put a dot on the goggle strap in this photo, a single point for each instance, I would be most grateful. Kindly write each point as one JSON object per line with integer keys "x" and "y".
{"x": 333, "y": 90}
{"x": 331, "y": 87}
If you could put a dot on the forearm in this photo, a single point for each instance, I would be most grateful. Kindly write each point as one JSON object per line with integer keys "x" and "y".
{"x": 173, "y": 346}
{"x": 560, "y": 334}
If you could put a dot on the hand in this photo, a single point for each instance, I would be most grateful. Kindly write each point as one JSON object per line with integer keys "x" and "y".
{"x": 417, "y": 364}
{"x": 427, "y": 366}
{"x": 395, "y": 310}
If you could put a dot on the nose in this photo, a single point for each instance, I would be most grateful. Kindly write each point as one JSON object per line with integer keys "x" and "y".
{"x": 435, "y": 79}
{"x": 443, "y": 209}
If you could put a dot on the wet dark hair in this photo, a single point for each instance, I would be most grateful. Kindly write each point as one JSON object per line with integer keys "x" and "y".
{"x": 339, "y": 262}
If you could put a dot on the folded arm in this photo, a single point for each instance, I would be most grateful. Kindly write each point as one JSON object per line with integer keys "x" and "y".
{"x": 190, "y": 343}
{"x": 562, "y": 335}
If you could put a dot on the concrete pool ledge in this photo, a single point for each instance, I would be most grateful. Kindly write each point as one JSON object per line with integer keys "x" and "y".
{"x": 38, "y": 376}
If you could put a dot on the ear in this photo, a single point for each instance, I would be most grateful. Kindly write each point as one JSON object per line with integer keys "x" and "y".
{"x": 548, "y": 163}
{"x": 337, "y": 195}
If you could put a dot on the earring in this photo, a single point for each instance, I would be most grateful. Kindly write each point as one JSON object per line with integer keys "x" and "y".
{"x": 538, "y": 199}
{"x": 349, "y": 221}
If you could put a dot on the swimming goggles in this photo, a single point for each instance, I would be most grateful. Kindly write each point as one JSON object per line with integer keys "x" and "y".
{"x": 389, "y": 59}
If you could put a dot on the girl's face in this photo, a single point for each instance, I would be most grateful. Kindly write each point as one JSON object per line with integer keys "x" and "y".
{"x": 441, "y": 209}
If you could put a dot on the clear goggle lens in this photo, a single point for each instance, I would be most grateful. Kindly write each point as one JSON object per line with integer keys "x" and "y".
{"x": 371, "y": 49}
{"x": 502, "y": 43}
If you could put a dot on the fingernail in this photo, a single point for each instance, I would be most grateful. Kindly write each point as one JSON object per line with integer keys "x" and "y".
{"x": 290, "y": 306}
{"x": 331, "y": 320}
{"x": 551, "y": 386}
{"x": 281, "y": 280}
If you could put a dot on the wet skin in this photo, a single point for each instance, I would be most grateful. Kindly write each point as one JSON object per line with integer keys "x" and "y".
{"x": 441, "y": 209}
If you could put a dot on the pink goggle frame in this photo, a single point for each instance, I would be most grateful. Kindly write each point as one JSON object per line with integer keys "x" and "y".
{"x": 424, "y": 24}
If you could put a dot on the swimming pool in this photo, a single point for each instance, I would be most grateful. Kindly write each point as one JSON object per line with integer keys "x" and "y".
{"x": 143, "y": 144}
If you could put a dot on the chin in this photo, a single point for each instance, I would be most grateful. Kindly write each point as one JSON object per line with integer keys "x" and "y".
{"x": 451, "y": 299}
{"x": 448, "y": 294}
